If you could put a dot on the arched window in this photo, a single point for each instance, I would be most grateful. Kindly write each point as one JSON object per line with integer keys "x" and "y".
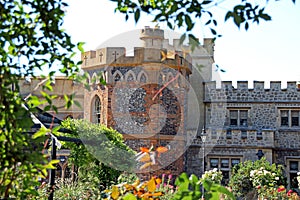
{"x": 96, "y": 110}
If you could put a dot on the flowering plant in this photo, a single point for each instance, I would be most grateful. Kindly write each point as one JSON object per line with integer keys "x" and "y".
{"x": 276, "y": 193}
{"x": 214, "y": 176}
{"x": 298, "y": 179}
{"x": 262, "y": 177}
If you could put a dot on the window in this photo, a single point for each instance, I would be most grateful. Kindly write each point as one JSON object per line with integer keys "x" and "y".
{"x": 294, "y": 165}
{"x": 214, "y": 135}
{"x": 238, "y": 117}
{"x": 224, "y": 164}
{"x": 214, "y": 163}
{"x": 228, "y": 134}
{"x": 259, "y": 135}
{"x": 290, "y": 118}
{"x": 234, "y": 161}
{"x": 233, "y": 118}
{"x": 96, "y": 110}
{"x": 295, "y": 118}
{"x": 293, "y": 168}
{"x": 244, "y": 134}
{"x": 243, "y": 117}
{"x": 284, "y": 114}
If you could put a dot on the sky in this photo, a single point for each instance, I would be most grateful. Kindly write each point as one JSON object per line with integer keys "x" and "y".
{"x": 266, "y": 52}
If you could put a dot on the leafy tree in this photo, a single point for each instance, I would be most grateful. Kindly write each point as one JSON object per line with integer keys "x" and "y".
{"x": 104, "y": 155}
{"x": 31, "y": 39}
{"x": 186, "y": 13}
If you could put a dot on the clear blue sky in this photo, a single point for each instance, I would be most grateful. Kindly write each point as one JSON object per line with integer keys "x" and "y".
{"x": 269, "y": 51}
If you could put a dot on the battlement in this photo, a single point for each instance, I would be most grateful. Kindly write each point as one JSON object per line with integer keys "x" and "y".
{"x": 154, "y": 33}
{"x": 257, "y": 85}
{"x": 242, "y": 92}
{"x": 116, "y": 56}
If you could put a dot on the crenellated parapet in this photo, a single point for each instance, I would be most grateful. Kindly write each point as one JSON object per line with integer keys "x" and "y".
{"x": 259, "y": 93}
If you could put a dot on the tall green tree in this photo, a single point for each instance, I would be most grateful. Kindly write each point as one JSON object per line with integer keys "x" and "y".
{"x": 31, "y": 39}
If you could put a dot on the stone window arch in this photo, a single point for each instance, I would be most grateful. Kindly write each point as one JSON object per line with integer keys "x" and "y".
{"x": 88, "y": 78}
{"x": 130, "y": 76}
{"x": 142, "y": 77}
{"x": 161, "y": 78}
{"x": 117, "y": 76}
{"x": 96, "y": 110}
{"x": 95, "y": 79}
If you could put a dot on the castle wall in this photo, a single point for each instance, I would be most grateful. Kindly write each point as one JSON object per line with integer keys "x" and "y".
{"x": 61, "y": 86}
{"x": 264, "y": 129}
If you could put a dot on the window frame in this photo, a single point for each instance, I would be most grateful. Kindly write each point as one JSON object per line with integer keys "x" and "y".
{"x": 241, "y": 121}
{"x": 223, "y": 169}
{"x": 96, "y": 110}
{"x": 289, "y": 120}
{"x": 292, "y": 172}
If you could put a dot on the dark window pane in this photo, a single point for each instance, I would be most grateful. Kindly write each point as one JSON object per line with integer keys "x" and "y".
{"x": 244, "y": 134}
{"x": 233, "y": 117}
{"x": 228, "y": 134}
{"x": 284, "y": 121}
{"x": 224, "y": 163}
{"x": 97, "y": 110}
{"x": 259, "y": 135}
{"x": 293, "y": 180}
{"x": 243, "y": 122}
{"x": 233, "y": 122}
{"x": 243, "y": 117}
{"x": 284, "y": 114}
{"x": 294, "y": 165}
{"x": 295, "y": 121}
{"x": 234, "y": 162}
{"x": 214, "y": 163}
{"x": 225, "y": 179}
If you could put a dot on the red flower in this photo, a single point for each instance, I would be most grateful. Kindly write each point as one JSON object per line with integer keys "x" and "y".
{"x": 280, "y": 189}
{"x": 258, "y": 187}
{"x": 289, "y": 192}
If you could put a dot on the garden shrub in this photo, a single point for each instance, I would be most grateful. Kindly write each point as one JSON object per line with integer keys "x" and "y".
{"x": 248, "y": 176}
{"x": 96, "y": 162}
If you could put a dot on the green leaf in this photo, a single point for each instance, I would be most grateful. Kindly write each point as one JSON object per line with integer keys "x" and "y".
{"x": 41, "y": 132}
{"x": 188, "y": 22}
{"x": 182, "y": 38}
{"x": 55, "y": 129}
{"x": 169, "y": 25}
{"x": 137, "y": 15}
{"x": 77, "y": 104}
{"x": 51, "y": 164}
{"x": 206, "y": 2}
{"x": 80, "y": 46}
{"x": 208, "y": 22}
{"x": 193, "y": 179}
{"x": 213, "y": 31}
{"x": 182, "y": 182}
{"x": 246, "y": 26}
{"x": 265, "y": 17}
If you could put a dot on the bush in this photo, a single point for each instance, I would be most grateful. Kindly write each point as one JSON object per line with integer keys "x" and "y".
{"x": 248, "y": 176}
{"x": 103, "y": 156}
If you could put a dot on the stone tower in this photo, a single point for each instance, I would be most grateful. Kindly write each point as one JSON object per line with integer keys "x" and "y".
{"x": 145, "y": 97}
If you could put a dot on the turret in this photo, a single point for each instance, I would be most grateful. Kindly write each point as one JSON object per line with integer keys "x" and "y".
{"x": 152, "y": 37}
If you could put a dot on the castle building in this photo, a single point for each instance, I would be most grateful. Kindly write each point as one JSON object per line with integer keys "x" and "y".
{"x": 164, "y": 95}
